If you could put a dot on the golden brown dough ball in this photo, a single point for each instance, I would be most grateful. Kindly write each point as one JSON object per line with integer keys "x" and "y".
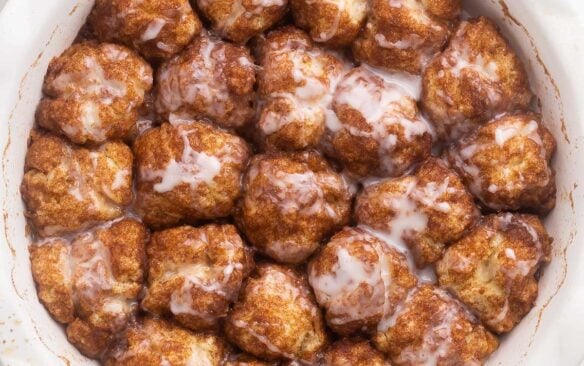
{"x": 493, "y": 269}
{"x": 159, "y": 342}
{"x": 427, "y": 210}
{"x": 211, "y": 79}
{"x": 380, "y": 130}
{"x": 92, "y": 92}
{"x": 291, "y": 202}
{"x": 276, "y": 316}
{"x": 353, "y": 353}
{"x": 296, "y": 84}
{"x": 505, "y": 163}
{"x": 358, "y": 280}
{"x": 477, "y": 77}
{"x": 333, "y": 22}
{"x": 240, "y": 20}
{"x": 404, "y": 35}
{"x": 157, "y": 29}
{"x": 188, "y": 172}
{"x": 431, "y": 327}
{"x": 195, "y": 273}
{"x": 92, "y": 282}
{"x": 67, "y": 188}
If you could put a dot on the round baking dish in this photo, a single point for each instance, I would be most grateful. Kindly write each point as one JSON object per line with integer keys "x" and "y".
{"x": 546, "y": 33}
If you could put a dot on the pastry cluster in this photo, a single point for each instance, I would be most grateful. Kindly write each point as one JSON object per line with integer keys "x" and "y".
{"x": 358, "y": 183}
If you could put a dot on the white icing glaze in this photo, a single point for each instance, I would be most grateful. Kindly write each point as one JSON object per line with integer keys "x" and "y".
{"x": 100, "y": 85}
{"x": 93, "y": 81}
{"x": 164, "y": 47}
{"x": 120, "y": 178}
{"x": 506, "y": 132}
{"x": 408, "y": 218}
{"x": 510, "y": 253}
{"x": 153, "y": 29}
{"x": 79, "y": 188}
{"x": 315, "y": 83}
{"x": 193, "y": 168}
{"x": 430, "y": 194}
{"x": 203, "y": 278}
{"x": 268, "y": 3}
{"x": 338, "y": 290}
{"x": 199, "y": 357}
{"x": 116, "y": 306}
{"x": 416, "y": 10}
{"x": 383, "y": 104}
{"x": 408, "y": 83}
{"x": 91, "y": 121}
{"x": 465, "y": 61}
{"x": 410, "y": 41}
{"x": 64, "y": 264}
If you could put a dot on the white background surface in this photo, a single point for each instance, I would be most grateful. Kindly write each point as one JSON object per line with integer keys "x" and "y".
{"x": 32, "y": 31}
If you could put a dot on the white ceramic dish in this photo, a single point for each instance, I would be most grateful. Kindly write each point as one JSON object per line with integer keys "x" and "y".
{"x": 545, "y": 32}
